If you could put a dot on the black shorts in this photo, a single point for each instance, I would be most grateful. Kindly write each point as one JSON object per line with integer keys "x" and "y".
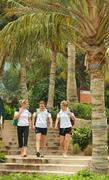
{"x": 64, "y": 131}
{"x": 43, "y": 131}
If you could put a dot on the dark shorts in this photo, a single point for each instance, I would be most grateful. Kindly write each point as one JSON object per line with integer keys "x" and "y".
{"x": 42, "y": 131}
{"x": 64, "y": 131}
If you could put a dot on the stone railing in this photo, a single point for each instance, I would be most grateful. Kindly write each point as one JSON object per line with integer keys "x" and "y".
{"x": 81, "y": 123}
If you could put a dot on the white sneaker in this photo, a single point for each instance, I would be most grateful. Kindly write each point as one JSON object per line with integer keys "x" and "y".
{"x": 64, "y": 155}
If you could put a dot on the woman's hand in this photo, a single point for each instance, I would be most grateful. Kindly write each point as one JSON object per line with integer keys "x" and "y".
{"x": 50, "y": 126}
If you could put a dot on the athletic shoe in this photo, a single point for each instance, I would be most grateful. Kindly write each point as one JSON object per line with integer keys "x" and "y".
{"x": 64, "y": 155}
{"x": 42, "y": 155}
{"x": 38, "y": 154}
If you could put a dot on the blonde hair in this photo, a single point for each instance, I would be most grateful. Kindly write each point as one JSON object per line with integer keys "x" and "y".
{"x": 22, "y": 101}
{"x": 42, "y": 102}
{"x": 64, "y": 103}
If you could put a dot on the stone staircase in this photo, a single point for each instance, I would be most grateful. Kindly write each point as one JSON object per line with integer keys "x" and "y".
{"x": 52, "y": 163}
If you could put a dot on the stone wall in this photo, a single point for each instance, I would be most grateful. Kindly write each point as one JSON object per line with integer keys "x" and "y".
{"x": 81, "y": 123}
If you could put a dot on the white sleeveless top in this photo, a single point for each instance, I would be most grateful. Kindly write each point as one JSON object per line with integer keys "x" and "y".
{"x": 41, "y": 118}
{"x": 64, "y": 119}
{"x": 23, "y": 119}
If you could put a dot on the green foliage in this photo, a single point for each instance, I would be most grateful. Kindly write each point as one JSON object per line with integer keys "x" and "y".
{"x": 81, "y": 110}
{"x": 82, "y": 136}
{"x": 40, "y": 92}
{"x": 11, "y": 83}
{"x": 9, "y": 112}
{"x": 107, "y": 96}
{"x": 2, "y": 157}
{"x": 54, "y": 113}
{"x": 82, "y": 77}
{"x": 107, "y": 114}
{"x": 81, "y": 175}
{"x": 76, "y": 148}
{"x": 88, "y": 175}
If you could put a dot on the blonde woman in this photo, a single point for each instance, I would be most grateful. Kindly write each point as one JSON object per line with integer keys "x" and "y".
{"x": 24, "y": 119}
{"x": 65, "y": 126}
{"x": 40, "y": 119}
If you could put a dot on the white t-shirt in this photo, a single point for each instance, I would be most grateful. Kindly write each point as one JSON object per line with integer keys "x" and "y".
{"x": 23, "y": 119}
{"x": 64, "y": 119}
{"x": 41, "y": 118}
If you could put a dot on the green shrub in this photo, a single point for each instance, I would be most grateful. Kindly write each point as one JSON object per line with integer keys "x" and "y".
{"x": 107, "y": 114}
{"x": 40, "y": 92}
{"x": 76, "y": 148}
{"x": 2, "y": 157}
{"x": 9, "y": 112}
{"x": 54, "y": 113}
{"x": 82, "y": 136}
{"x": 88, "y": 175}
{"x": 1, "y": 143}
{"x": 82, "y": 111}
{"x": 81, "y": 175}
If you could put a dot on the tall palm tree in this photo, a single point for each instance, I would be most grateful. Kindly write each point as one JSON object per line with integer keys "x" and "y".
{"x": 48, "y": 34}
{"x": 23, "y": 80}
{"x": 51, "y": 91}
{"x": 71, "y": 80}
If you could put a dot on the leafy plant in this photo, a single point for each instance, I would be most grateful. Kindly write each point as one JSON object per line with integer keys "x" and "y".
{"x": 81, "y": 175}
{"x": 54, "y": 113}
{"x": 9, "y": 112}
{"x": 2, "y": 157}
{"x": 82, "y": 136}
{"x": 40, "y": 92}
{"x": 81, "y": 110}
{"x": 76, "y": 148}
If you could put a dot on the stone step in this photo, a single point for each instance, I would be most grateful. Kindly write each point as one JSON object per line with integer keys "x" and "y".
{"x": 32, "y": 147}
{"x": 14, "y": 138}
{"x": 59, "y": 173}
{"x": 31, "y": 131}
{"x": 48, "y": 160}
{"x": 15, "y": 144}
{"x": 31, "y": 152}
{"x": 42, "y": 167}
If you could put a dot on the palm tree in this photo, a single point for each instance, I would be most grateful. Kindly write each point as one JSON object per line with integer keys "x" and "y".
{"x": 71, "y": 80}
{"x": 48, "y": 35}
{"x": 23, "y": 80}
{"x": 51, "y": 91}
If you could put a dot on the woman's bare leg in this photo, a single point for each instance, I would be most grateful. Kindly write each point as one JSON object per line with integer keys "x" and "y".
{"x": 38, "y": 139}
{"x": 43, "y": 143}
{"x": 66, "y": 143}
{"x": 62, "y": 142}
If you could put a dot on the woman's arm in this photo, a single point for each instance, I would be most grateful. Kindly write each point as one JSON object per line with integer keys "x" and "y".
{"x": 57, "y": 122}
{"x": 72, "y": 116}
{"x": 51, "y": 123}
{"x": 18, "y": 113}
{"x": 33, "y": 120}
{"x": 30, "y": 120}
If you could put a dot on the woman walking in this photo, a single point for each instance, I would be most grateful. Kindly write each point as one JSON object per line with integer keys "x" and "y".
{"x": 24, "y": 119}
{"x": 65, "y": 126}
{"x": 40, "y": 119}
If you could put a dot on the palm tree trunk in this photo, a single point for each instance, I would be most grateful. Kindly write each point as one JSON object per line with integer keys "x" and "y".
{"x": 1, "y": 72}
{"x": 52, "y": 79}
{"x": 23, "y": 81}
{"x": 99, "y": 162}
{"x": 71, "y": 80}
